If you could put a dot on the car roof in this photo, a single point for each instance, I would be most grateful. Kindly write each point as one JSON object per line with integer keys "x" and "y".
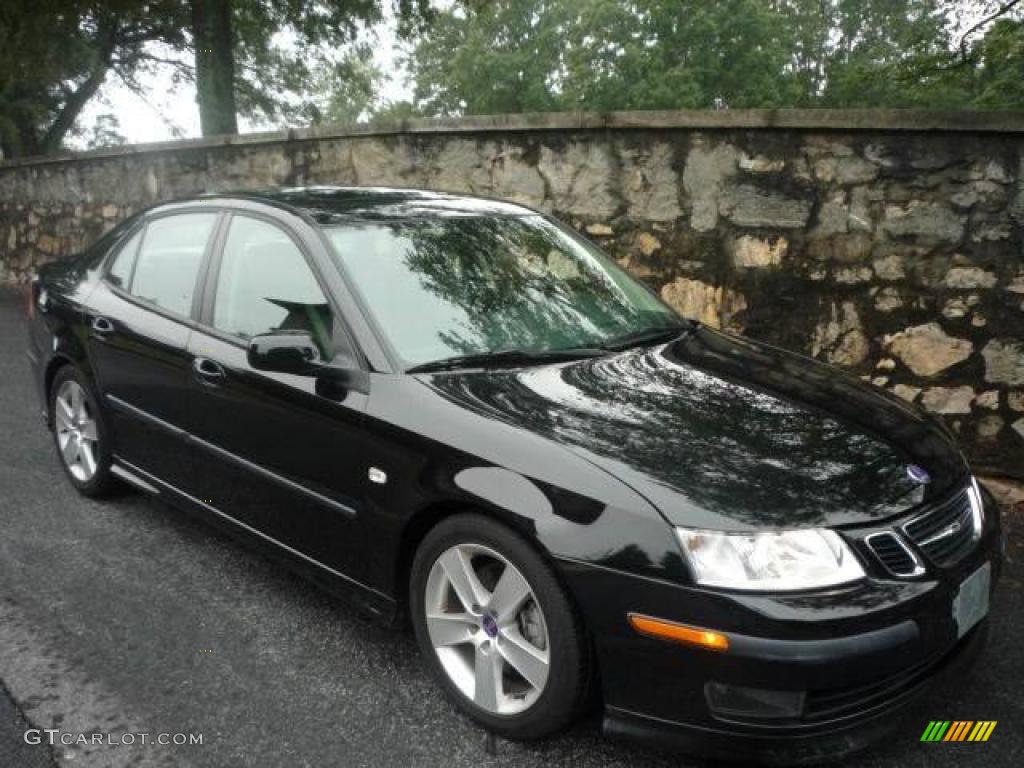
{"x": 330, "y": 205}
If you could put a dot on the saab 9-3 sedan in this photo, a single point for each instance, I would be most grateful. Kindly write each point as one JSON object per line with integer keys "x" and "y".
{"x": 460, "y": 411}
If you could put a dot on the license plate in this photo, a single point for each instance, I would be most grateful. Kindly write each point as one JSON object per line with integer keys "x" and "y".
{"x": 971, "y": 602}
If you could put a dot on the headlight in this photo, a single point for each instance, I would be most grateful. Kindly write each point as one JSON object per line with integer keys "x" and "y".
{"x": 977, "y": 506}
{"x": 770, "y": 560}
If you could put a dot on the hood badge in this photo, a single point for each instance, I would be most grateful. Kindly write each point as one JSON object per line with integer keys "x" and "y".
{"x": 918, "y": 474}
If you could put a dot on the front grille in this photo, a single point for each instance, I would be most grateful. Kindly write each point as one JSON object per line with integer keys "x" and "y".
{"x": 946, "y": 533}
{"x": 893, "y": 554}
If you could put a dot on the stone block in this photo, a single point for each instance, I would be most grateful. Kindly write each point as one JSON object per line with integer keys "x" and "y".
{"x": 748, "y": 206}
{"x": 923, "y": 219}
{"x": 1004, "y": 362}
{"x": 713, "y": 305}
{"x": 927, "y": 350}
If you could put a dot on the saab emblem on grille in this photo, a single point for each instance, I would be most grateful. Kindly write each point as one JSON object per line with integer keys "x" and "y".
{"x": 918, "y": 474}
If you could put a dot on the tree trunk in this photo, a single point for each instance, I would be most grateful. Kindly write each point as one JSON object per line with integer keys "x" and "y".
{"x": 52, "y": 139}
{"x": 215, "y": 66}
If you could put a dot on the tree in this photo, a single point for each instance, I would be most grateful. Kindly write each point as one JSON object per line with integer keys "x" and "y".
{"x": 490, "y": 57}
{"x": 535, "y": 55}
{"x": 104, "y": 132}
{"x": 307, "y": 61}
{"x": 263, "y": 58}
{"x": 256, "y": 58}
{"x": 55, "y": 55}
{"x": 526, "y": 55}
{"x": 1000, "y": 76}
{"x": 349, "y": 88}
{"x": 878, "y": 50}
{"x": 982, "y": 13}
{"x": 214, "y": 66}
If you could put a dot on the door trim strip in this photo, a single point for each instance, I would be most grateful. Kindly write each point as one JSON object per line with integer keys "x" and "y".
{"x": 146, "y": 416}
{"x": 120, "y": 470}
{"x": 269, "y": 475}
{"x": 255, "y": 531}
{"x": 190, "y": 439}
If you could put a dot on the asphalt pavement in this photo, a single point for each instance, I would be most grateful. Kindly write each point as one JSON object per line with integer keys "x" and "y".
{"x": 127, "y": 619}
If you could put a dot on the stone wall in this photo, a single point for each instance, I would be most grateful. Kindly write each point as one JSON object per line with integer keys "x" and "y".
{"x": 889, "y": 243}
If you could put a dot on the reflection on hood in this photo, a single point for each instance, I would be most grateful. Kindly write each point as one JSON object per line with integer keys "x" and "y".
{"x": 723, "y": 432}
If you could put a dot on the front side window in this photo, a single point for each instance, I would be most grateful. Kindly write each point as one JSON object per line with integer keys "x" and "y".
{"x": 265, "y": 285}
{"x": 462, "y": 285}
{"x": 168, "y": 261}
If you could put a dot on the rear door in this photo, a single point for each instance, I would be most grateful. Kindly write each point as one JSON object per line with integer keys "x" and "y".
{"x": 139, "y": 321}
{"x": 277, "y": 452}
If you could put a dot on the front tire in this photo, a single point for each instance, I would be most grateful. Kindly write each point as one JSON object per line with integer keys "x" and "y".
{"x": 80, "y": 433}
{"x": 497, "y": 628}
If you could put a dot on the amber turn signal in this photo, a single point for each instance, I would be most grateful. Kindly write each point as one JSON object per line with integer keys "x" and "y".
{"x": 680, "y": 633}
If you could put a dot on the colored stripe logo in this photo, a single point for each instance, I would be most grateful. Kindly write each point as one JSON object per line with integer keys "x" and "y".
{"x": 958, "y": 730}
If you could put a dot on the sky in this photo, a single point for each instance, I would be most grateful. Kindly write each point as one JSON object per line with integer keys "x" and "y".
{"x": 170, "y": 112}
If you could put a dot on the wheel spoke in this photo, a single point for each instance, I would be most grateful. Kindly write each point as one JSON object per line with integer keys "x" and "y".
{"x": 524, "y": 658}
{"x": 488, "y": 690}
{"x": 89, "y": 430}
{"x": 69, "y": 449}
{"x": 85, "y": 451}
{"x": 76, "y": 401}
{"x": 459, "y": 570}
{"x": 509, "y": 595}
{"x": 65, "y": 413}
{"x": 450, "y": 628}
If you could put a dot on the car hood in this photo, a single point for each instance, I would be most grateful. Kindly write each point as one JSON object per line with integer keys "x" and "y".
{"x": 722, "y": 432}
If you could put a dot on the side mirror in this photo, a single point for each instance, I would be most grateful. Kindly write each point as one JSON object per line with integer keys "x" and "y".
{"x": 285, "y": 352}
{"x": 295, "y": 352}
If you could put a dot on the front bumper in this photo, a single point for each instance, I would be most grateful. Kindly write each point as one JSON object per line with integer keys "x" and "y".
{"x": 797, "y": 745}
{"x": 858, "y": 656}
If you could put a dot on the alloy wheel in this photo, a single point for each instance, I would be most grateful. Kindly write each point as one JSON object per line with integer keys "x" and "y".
{"x": 77, "y": 433}
{"x": 487, "y": 629}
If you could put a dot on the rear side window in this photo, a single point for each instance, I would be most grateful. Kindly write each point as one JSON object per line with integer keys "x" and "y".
{"x": 120, "y": 272}
{"x": 168, "y": 262}
{"x": 265, "y": 284}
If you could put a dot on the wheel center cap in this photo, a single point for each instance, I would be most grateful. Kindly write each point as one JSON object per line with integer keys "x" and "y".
{"x": 490, "y": 625}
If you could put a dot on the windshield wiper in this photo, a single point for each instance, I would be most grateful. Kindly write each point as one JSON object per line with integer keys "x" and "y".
{"x": 648, "y": 336}
{"x": 506, "y": 357}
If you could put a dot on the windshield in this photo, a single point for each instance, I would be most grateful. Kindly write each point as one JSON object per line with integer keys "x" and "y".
{"x": 443, "y": 287}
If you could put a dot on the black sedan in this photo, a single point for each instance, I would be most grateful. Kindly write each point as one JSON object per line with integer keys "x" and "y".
{"x": 457, "y": 410}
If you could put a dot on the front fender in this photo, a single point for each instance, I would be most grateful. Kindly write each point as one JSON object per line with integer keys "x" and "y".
{"x": 440, "y": 457}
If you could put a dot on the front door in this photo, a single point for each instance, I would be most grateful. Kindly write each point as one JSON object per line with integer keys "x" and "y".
{"x": 272, "y": 453}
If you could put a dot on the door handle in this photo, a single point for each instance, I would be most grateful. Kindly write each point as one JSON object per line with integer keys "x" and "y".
{"x": 101, "y": 327}
{"x": 209, "y": 370}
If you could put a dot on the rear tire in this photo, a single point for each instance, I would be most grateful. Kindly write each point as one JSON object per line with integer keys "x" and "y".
{"x": 80, "y": 433}
{"x": 497, "y": 628}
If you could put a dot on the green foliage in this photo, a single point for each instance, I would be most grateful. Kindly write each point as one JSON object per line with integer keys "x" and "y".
{"x": 349, "y": 87}
{"x": 1000, "y": 78}
{"x": 104, "y": 132}
{"x": 882, "y": 52}
{"x": 305, "y": 61}
{"x": 55, "y": 54}
{"x": 284, "y": 46}
{"x": 310, "y": 61}
{"x": 489, "y": 56}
